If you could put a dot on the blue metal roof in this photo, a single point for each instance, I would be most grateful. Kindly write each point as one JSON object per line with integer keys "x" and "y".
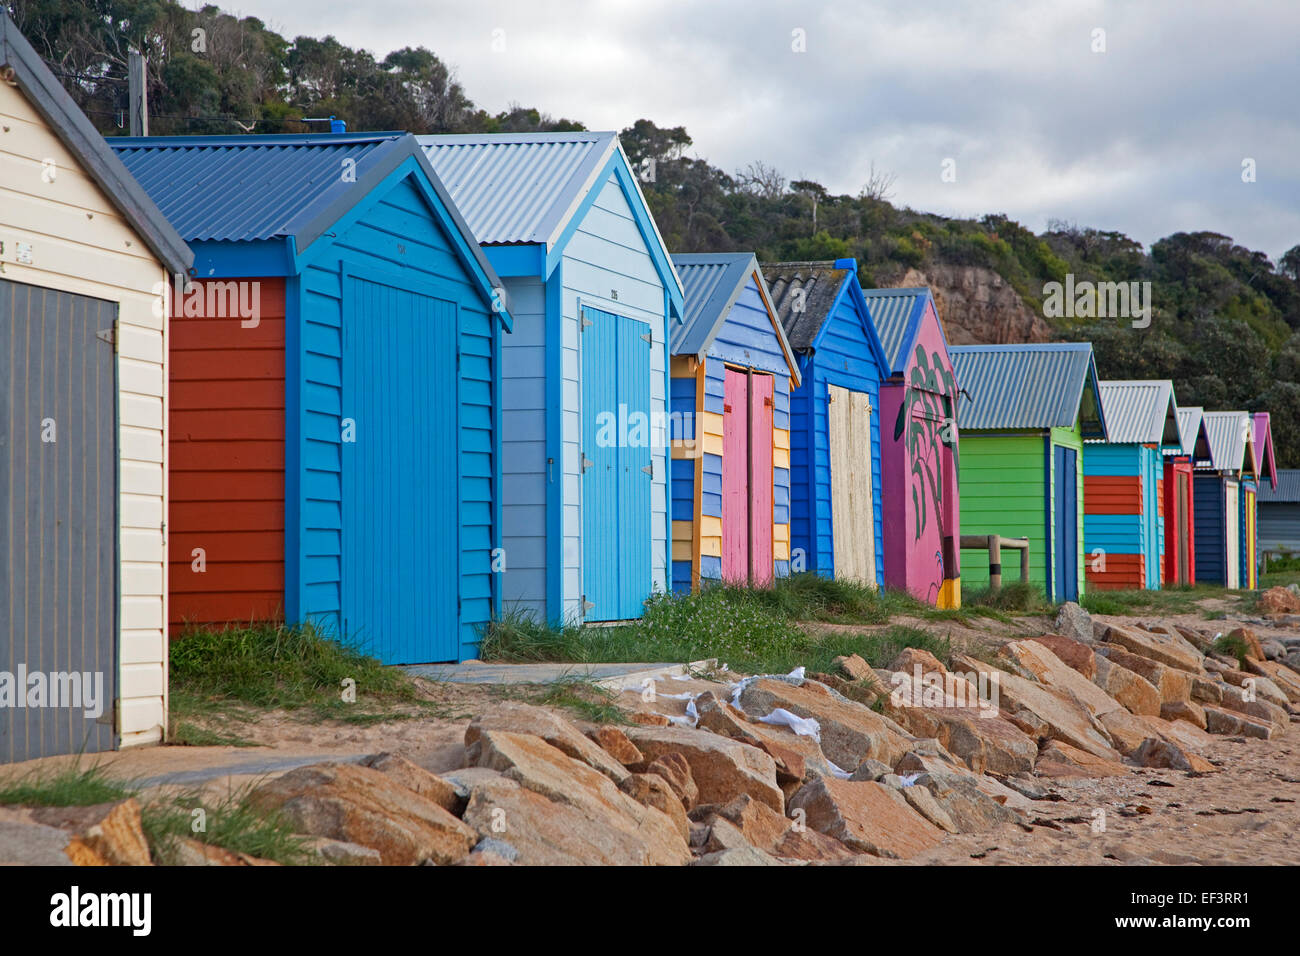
{"x": 1141, "y": 412}
{"x": 243, "y": 188}
{"x": 897, "y": 315}
{"x": 1034, "y": 386}
{"x": 254, "y": 187}
{"x": 1288, "y": 487}
{"x": 713, "y": 281}
{"x": 519, "y": 187}
{"x": 1230, "y": 434}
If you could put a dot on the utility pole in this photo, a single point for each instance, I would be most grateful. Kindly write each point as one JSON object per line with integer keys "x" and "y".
{"x": 139, "y": 95}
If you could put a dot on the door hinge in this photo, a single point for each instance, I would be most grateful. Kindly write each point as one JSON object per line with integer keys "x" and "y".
{"x": 108, "y": 335}
{"x": 586, "y": 605}
{"x": 113, "y": 716}
{"x": 586, "y": 462}
{"x": 649, "y": 337}
{"x": 649, "y": 469}
{"x": 586, "y": 322}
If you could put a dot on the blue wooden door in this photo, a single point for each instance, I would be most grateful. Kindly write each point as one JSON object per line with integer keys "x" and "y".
{"x": 616, "y": 477}
{"x": 400, "y": 522}
{"x": 1066, "y": 566}
{"x": 59, "y": 552}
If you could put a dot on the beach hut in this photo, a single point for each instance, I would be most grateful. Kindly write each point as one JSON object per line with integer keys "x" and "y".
{"x": 584, "y": 375}
{"x": 335, "y": 391}
{"x": 1218, "y": 481}
{"x": 1279, "y": 515}
{"x": 1024, "y": 413}
{"x": 836, "y": 526}
{"x": 732, "y": 374}
{"x": 918, "y": 448}
{"x": 1180, "y": 528}
{"x": 84, "y": 260}
{"x": 1123, "y": 485}
{"x": 1265, "y": 473}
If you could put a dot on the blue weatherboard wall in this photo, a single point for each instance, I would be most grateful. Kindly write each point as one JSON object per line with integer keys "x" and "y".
{"x": 1142, "y": 533}
{"x": 564, "y": 223}
{"x": 391, "y": 323}
{"x": 845, "y": 352}
{"x": 1210, "y": 527}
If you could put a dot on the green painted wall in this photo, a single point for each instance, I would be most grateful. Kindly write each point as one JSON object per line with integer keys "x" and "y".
{"x": 1001, "y": 481}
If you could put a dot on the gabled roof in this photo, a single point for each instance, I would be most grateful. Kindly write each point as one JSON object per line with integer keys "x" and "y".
{"x": 897, "y": 315}
{"x": 1231, "y": 435}
{"x": 1263, "y": 437}
{"x": 713, "y": 282}
{"x": 805, "y": 295}
{"x": 1286, "y": 490}
{"x": 528, "y": 188}
{"x": 66, "y": 121}
{"x": 293, "y": 186}
{"x": 1141, "y": 412}
{"x": 1194, "y": 441}
{"x": 1036, "y": 386}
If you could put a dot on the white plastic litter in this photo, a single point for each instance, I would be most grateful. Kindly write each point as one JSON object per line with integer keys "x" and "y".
{"x": 677, "y": 696}
{"x": 838, "y": 772}
{"x": 909, "y": 779}
{"x": 803, "y": 726}
{"x": 692, "y": 718}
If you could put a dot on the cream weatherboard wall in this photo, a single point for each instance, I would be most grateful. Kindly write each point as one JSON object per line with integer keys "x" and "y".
{"x": 81, "y": 244}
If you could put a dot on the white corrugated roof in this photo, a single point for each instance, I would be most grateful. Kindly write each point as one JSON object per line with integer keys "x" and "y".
{"x": 1141, "y": 411}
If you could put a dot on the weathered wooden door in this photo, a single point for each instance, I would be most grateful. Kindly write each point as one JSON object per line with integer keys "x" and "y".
{"x": 1183, "y": 519}
{"x": 852, "y": 501}
{"x": 400, "y": 513}
{"x": 1232, "y": 542}
{"x": 617, "y": 472}
{"x": 59, "y": 572}
{"x": 747, "y": 478}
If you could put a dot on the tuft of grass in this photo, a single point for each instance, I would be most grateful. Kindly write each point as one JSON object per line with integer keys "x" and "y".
{"x": 1017, "y": 597}
{"x": 1231, "y": 645}
{"x": 233, "y": 672}
{"x": 231, "y": 823}
{"x": 184, "y": 733}
{"x": 585, "y": 698}
{"x": 68, "y": 786}
{"x": 1171, "y": 599}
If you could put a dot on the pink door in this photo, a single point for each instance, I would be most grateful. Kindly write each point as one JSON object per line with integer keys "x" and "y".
{"x": 760, "y": 487}
{"x": 735, "y": 478}
{"x": 747, "y": 479}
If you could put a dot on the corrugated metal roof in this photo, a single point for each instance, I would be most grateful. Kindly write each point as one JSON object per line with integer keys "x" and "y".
{"x": 896, "y": 314}
{"x": 1034, "y": 386}
{"x": 1287, "y": 490}
{"x": 243, "y": 188}
{"x": 1263, "y": 434}
{"x": 713, "y": 282}
{"x": 80, "y": 137}
{"x": 1192, "y": 438}
{"x": 518, "y": 187}
{"x": 1141, "y": 411}
{"x": 803, "y": 294}
{"x": 1230, "y": 435}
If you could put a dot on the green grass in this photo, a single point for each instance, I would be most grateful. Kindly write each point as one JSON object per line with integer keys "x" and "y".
{"x": 749, "y": 630}
{"x": 1170, "y": 600}
{"x": 1230, "y": 645}
{"x": 184, "y": 733}
{"x": 1018, "y": 597}
{"x": 68, "y": 786}
{"x": 231, "y": 823}
{"x": 234, "y": 672}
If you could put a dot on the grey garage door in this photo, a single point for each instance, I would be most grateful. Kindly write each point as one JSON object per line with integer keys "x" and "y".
{"x": 58, "y": 523}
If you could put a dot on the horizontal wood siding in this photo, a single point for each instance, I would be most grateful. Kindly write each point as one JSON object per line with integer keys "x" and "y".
{"x": 1002, "y": 485}
{"x": 227, "y": 460}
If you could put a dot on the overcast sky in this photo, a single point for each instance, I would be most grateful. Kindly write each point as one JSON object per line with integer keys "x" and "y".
{"x": 1147, "y": 137}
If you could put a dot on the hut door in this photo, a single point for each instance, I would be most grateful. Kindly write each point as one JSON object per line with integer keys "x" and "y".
{"x": 747, "y": 478}
{"x": 58, "y": 521}
{"x": 1232, "y": 544}
{"x": 852, "y": 504}
{"x": 1183, "y": 519}
{"x": 1248, "y": 500}
{"x": 1066, "y": 566}
{"x": 400, "y": 518}
{"x": 616, "y": 468}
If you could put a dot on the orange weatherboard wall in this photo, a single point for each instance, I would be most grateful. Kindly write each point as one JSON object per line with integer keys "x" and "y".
{"x": 1122, "y": 571}
{"x": 227, "y": 460}
{"x": 1113, "y": 494}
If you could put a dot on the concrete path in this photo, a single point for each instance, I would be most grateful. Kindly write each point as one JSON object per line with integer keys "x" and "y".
{"x": 613, "y": 676}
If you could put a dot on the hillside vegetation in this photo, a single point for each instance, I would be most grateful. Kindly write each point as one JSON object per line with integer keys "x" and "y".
{"x": 1225, "y": 320}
